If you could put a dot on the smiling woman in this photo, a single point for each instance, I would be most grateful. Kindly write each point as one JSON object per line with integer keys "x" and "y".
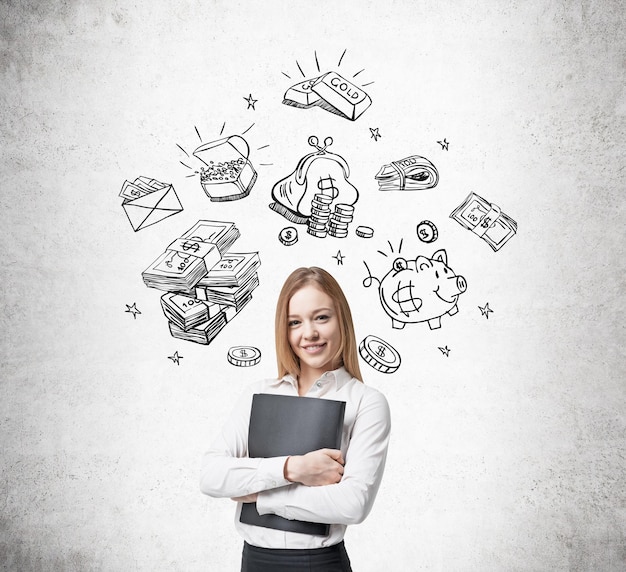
{"x": 314, "y": 329}
{"x": 317, "y": 359}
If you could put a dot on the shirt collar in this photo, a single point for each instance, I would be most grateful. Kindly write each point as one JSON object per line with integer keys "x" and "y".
{"x": 340, "y": 376}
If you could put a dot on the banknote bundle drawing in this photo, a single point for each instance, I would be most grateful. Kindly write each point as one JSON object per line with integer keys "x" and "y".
{"x": 412, "y": 173}
{"x": 205, "y": 284}
{"x": 148, "y": 201}
{"x": 331, "y": 92}
{"x": 485, "y": 220}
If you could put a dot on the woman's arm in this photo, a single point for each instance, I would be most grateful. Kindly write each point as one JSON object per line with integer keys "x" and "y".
{"x": 350, "y": 500}
{"x": 227, "y": 471}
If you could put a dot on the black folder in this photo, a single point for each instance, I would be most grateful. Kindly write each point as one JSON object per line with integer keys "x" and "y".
{"x": 283, "y": 425}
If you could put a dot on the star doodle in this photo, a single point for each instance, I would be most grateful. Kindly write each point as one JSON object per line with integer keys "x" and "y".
{"x": 339, "y": 258}
{"x": 375, "y": 133}
{"x": 175, "y": 358}
{"x": 445, "y": 351}
{"x": 132, "y": 309}
{"x": 484, "y": 310}
{"x": 444, "y": 144}
{"x": 251, "y": 102}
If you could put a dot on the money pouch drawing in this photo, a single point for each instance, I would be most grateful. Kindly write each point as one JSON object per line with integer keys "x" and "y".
{"x": 420, "y": 290}
{"x": 317, "y": 193}
{"x": 229, "y": 174}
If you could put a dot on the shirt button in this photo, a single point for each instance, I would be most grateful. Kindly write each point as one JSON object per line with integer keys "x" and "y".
{"x": 319, "y": 384}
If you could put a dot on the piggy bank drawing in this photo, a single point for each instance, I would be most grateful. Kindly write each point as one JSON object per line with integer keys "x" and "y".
{"x": 420, "y": 290}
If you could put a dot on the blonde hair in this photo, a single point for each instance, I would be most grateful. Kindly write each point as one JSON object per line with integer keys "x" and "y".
{"x": 347, "y": 354}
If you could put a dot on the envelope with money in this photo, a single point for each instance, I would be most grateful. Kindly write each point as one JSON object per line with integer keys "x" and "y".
{"x": 148, "y": 201}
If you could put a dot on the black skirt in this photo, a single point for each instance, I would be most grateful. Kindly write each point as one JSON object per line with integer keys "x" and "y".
{"x": 328, "y": 559}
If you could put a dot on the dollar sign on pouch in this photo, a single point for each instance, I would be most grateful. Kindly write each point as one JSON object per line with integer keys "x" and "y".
{"x": 193, "y": 246}
{"x": 381, "y": 351}
{"x": 327, "y": 184}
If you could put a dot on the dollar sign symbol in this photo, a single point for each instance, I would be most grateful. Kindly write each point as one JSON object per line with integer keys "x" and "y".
{"x": 327, "y": 184}
{"x": 193, "y": 246}
{"x": 243, "y": 353}
{"x": 423, "y": 233}
{"x": 380, "y": 351}
{"x": 288, "y": 235}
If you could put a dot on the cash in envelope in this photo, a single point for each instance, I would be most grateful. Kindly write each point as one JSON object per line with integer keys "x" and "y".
{"x": 486, "y": 220}
{"x": 330, "y": 91}
{"x": 412, "y": 173}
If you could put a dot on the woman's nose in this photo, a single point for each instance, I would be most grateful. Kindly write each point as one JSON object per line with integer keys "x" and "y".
{"x": 310, "y": 332}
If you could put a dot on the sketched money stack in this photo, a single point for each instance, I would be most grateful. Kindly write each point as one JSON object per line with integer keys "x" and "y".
{"x": 206, "y": 285}
{"x": 414, "y": 173}
{"x": 317, "y": 193}
{"x": 485, "y": 220}
{"x": 227, "y": 174}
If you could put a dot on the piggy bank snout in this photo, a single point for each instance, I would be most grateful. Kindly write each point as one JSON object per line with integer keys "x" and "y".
{"x": 461, "y": 284}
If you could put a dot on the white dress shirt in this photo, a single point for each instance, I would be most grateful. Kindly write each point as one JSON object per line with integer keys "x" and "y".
{"x": 227, "y": 471}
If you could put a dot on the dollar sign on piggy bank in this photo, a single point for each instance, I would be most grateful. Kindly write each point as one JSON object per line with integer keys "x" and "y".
{"x": 421, "y": 290}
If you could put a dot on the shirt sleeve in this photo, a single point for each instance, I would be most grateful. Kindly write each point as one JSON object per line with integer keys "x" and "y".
{"x": 350, "y": 500}
{"x": 227, "y": 471}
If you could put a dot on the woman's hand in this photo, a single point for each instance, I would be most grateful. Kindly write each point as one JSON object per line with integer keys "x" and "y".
{"x": 317, "y": 468}
{"x": 246, "y": 498}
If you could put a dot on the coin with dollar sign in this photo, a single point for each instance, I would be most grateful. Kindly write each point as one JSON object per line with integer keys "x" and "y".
{"x": 427, "y": 231}
{"x": 381, "y": 355}
{"x": 288, "y": 236}
{"x": 244, "y": 356}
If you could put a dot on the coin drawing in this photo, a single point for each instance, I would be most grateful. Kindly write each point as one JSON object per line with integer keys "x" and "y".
{"x": 288, "y": 235}
{"x": 427, "y": 231}
{"x": 419, "y": 290}
{"x": 317, "y": 193}
{"x": 379, "y": 354}
{"x": 205, "y": 284}
{"x": 243, "y": 356}
{"x": 329, "y": 90}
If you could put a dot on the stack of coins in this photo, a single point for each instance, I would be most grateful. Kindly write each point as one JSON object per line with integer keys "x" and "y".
{"x": 340, "y": 219}
{"x": 320, "y": 215}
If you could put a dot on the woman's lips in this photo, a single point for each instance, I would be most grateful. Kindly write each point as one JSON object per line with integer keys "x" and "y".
{"x": 313, "y": 348}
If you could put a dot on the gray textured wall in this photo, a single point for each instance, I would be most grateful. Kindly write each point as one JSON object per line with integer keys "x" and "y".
{"x": 508, "y": 454}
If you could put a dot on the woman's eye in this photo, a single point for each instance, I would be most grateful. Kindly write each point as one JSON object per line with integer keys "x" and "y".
{"x": 322, "y": 318}
{"x": 292, "y": 323}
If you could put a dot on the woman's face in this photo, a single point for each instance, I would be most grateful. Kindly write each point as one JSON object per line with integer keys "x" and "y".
{"x": 313, "y": 329}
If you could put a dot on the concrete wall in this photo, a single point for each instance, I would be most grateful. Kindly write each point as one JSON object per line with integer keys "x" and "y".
{"x": 506, "y": 454}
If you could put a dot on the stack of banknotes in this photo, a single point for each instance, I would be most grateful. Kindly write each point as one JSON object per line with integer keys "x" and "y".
{"x": 485, "y": 220}
{"x": 206, "y": 285}
{"x": 412, "y": 173}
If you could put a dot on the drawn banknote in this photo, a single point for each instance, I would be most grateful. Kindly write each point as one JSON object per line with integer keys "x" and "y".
{"x": 485, "y": 220}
